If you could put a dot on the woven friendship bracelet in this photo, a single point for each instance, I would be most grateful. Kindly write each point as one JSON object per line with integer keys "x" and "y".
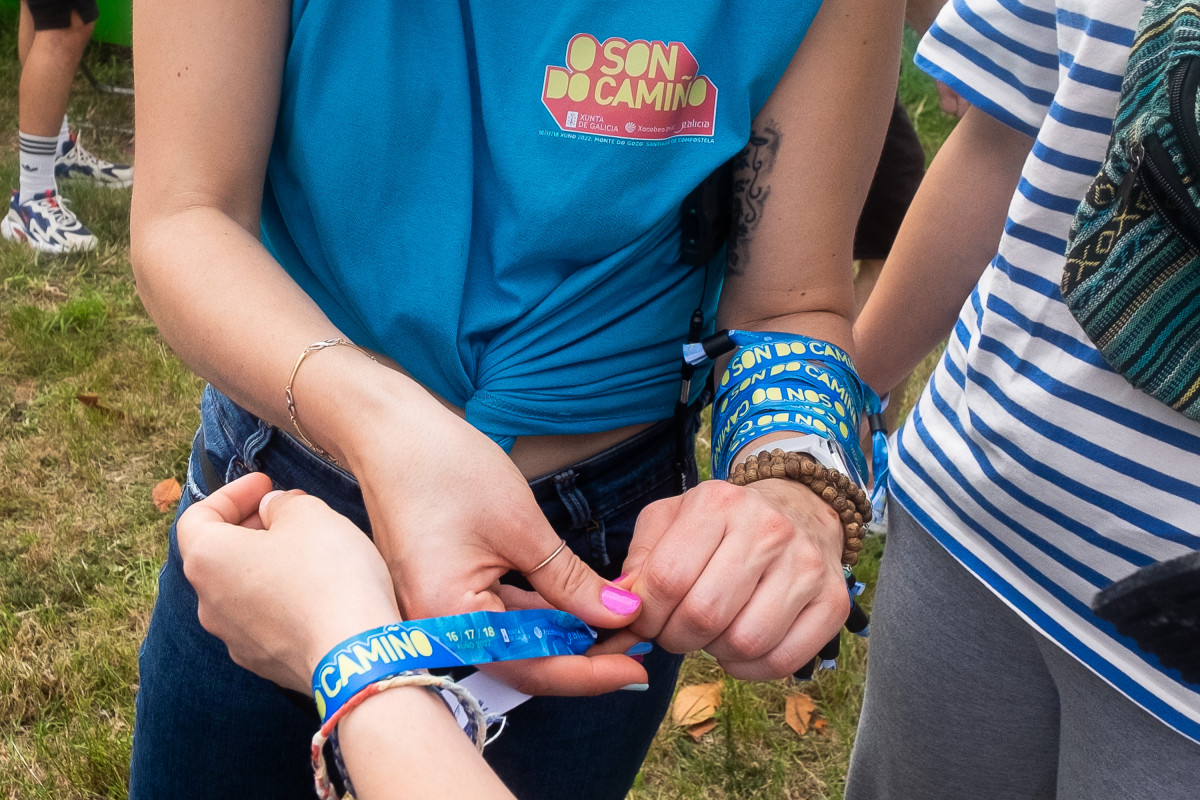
{"x": 291, "y": 401}
{"x": 843, "y": 495}
{"x": 477, "y": 728}
{"x": 397, "y": 654}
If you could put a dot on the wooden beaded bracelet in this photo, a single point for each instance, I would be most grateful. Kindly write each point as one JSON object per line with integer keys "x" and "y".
{"x": 843, "y": 495}
{"x": 477, "y": 728}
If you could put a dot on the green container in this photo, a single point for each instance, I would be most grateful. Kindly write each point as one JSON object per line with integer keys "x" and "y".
{"x": 115, "y": 24}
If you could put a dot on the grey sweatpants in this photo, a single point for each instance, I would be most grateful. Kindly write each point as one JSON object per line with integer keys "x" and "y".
{"x": 965, "y": 701}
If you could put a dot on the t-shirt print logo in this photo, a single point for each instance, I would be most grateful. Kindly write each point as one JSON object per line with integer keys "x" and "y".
{"x": 630, "y": 90}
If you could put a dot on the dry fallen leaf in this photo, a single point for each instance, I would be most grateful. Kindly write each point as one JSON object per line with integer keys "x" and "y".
{"x": 798, "y": 712}
{"x": 93, "y": 401}
{"x": 695, "y": 704}
{"x": 821, "y": 726}
{"x": 700, "y": 728}
{"x": 53, "y": 290}
{"x": 166, "y": 493}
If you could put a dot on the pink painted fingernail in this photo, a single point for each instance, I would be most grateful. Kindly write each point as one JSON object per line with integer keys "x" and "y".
{"x": 619, "y": 601}
{"x": 621, "y": 577}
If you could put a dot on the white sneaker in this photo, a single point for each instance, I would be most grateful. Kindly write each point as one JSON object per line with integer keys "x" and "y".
{"x": 79, "y": 163}
{"x": 45, "y": 224}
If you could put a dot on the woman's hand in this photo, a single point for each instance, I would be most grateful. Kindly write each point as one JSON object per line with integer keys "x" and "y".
{"x": 451, "y": 513}
{"x": 751, "y": 574}
{"x": 281, "y": 577}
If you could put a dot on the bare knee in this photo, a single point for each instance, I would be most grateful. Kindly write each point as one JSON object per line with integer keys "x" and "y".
{"x": 67, "y": 42}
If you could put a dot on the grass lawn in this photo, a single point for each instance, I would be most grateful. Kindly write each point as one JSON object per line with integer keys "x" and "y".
{"x": 95, "y": 410}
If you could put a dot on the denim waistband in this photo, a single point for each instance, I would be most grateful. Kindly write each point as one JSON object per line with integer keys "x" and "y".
{"x": 575, "y": 499}
{"x": 617, "y": 476}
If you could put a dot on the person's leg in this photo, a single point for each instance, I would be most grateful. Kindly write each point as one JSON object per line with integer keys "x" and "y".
{"x": 958, "y": 703}
{"x": 205, "y": 727}
{"x": 592, "y": 748}
{"x": 25, "y": 30}
{"x": 24, "y": 33}
{"x": 588, "y": 748}
{"x": 51, "y": 40}
{"x": 1111, "y": 747}
{"x": 47, "y": 72}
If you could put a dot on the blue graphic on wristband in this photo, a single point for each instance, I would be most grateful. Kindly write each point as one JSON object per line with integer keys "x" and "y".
{"x": 479, "y": 637}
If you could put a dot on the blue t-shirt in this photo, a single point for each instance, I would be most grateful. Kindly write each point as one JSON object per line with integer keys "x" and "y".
{"x": 489, "y": 193}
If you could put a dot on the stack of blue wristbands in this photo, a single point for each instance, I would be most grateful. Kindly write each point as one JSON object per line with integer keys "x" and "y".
{"x": 787, "y": 382}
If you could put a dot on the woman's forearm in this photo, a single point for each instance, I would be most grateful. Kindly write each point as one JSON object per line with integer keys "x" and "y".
{"x": 235, "y": 316}
{"x": 404, "y": 743}
{"x": 208, "y": 94}
{"x": 949, "y": 236}
{"x": 800, "y": 184}
{"x": 223, "y": 303}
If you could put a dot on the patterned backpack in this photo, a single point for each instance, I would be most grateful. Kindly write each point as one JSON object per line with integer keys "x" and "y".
{"x": 1132, "y": 277}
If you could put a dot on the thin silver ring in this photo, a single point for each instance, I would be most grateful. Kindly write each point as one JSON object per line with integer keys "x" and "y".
{"x": 561, "y": 544}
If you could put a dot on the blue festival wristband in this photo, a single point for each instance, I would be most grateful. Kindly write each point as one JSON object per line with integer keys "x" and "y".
{"x": 480, "y": 637}
{"x": 807, "y": 377}
{"x": 788, "y": 382}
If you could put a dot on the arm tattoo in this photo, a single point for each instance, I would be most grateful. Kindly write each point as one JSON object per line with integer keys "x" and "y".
{"x": 751, "y": 168}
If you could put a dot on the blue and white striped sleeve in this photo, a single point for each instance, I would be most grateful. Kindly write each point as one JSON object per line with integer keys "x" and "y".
{"x": 999, "y": 55}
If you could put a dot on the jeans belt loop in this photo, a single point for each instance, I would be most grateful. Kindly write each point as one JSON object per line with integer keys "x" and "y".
{"x": 213, "y": 479}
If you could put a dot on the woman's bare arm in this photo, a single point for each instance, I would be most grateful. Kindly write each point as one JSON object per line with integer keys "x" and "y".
{"x": 821, "y": 133}
{"x": 209, "y": 76}
{"x": 948, "y": 237}
{"x": 753, "y": 575}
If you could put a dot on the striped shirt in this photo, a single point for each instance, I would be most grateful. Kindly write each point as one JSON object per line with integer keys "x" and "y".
{"x": 1039, "y": 468}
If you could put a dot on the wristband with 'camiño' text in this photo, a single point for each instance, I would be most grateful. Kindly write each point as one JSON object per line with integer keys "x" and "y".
{"x": 479, "y": 637}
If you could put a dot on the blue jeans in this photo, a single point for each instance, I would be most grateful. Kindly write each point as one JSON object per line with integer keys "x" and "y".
{"x": 208, "y": 728}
